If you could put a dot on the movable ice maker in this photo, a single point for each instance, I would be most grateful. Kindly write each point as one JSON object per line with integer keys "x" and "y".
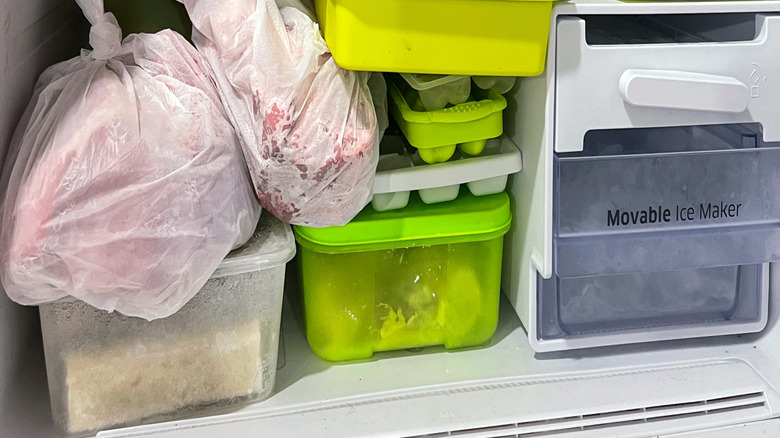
{"x": 648, "y": 206}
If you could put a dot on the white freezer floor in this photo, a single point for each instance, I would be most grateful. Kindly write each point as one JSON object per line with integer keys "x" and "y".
{"x": 498, "y": 390}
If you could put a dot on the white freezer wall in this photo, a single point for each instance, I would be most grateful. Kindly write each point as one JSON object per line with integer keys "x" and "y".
{"x": 33, "y": 35}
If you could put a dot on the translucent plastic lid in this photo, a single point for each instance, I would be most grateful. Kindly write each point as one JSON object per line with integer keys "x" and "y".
{"x": 272, "y": 245}
{"x": 426, "y": 81}
{"x": 499, "y": 84}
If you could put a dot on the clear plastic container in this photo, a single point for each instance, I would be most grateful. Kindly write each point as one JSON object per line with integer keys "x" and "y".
{"x": 107, "y": 370}
{"x": 437, "y": 91}
{"x": 666, "y": 232}
{"x": 425, "y": 275}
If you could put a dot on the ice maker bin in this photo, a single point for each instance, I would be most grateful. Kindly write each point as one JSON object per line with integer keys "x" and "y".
{"x": 621, "y": 214}
{"x": 646, "y": 209}
{"x": 661, "y": 233}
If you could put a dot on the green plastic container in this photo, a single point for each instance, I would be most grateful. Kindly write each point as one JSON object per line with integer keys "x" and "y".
{"x": 421, "y": 276}
{"x": 436, "y": 133}
{"x": 150, "y": 16}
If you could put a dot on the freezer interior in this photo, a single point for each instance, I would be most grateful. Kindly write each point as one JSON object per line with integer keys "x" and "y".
{"x": 712, "y": 386}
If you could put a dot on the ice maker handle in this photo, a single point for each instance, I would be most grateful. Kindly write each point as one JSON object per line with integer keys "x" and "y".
{"x": 684, "y": 91}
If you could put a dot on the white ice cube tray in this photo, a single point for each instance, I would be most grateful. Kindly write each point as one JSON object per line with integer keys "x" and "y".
{"x": 399, "y": 172}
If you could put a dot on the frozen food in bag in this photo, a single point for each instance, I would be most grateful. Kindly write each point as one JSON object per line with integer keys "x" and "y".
{"x": 308, "y": 128}
{"x": 126, "y": 184}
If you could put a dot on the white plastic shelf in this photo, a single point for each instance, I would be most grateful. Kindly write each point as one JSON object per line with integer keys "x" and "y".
{"x": 503, "y": 387}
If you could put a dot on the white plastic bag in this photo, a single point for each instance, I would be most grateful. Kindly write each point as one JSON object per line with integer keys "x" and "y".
{"x": 308, "y": 128}
{"x": 126, "y": 185}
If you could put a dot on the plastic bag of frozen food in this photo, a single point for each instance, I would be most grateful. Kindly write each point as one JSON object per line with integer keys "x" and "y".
{"x": 308, "y": 128}
{"x": 126, "y": 184}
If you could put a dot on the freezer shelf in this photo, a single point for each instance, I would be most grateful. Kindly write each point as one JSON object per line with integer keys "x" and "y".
{"x": 700, "y": 196}
{"x": 504, "y": 384}
{"x": 338, "y": 401}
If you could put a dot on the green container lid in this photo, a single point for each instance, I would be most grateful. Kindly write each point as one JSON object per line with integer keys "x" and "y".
{"x": 468, "y": 218}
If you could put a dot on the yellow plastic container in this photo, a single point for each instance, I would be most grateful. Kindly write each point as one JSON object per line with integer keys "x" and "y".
{"x": 424, "y": 275}
{"x": 463, "y": 37}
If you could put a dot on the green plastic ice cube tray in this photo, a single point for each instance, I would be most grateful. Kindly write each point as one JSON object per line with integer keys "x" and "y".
{"x": 437, "y": 133}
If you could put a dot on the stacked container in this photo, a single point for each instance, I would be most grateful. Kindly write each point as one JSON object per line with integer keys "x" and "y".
{"x": 419, "y": 266}
{"x": 436, "y": 46}
{"x": 435, "y": 130}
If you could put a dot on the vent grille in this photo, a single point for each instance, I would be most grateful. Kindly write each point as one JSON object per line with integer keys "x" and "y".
{"x": 604, "y": 420}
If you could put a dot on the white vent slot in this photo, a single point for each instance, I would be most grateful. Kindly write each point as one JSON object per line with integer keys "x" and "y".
{"x": 629, "y": 402}
{"x": 735, "y": 404}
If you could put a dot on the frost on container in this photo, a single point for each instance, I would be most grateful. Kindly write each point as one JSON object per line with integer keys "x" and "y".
{"x": 107, "y": 370}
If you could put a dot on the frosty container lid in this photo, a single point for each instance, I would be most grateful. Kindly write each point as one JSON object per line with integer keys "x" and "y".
{"x": 422, "y": 82}
{"x": 272, "y": 245}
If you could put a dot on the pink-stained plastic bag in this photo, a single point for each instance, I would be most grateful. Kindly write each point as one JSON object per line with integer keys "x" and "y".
{"x": 307, "y": 127}
{"x": 126, "y": 184}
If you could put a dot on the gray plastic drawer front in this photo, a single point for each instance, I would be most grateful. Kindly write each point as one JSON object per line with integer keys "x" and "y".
{"x": 672, "y": 191}
{"x": 638, "y": 248}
